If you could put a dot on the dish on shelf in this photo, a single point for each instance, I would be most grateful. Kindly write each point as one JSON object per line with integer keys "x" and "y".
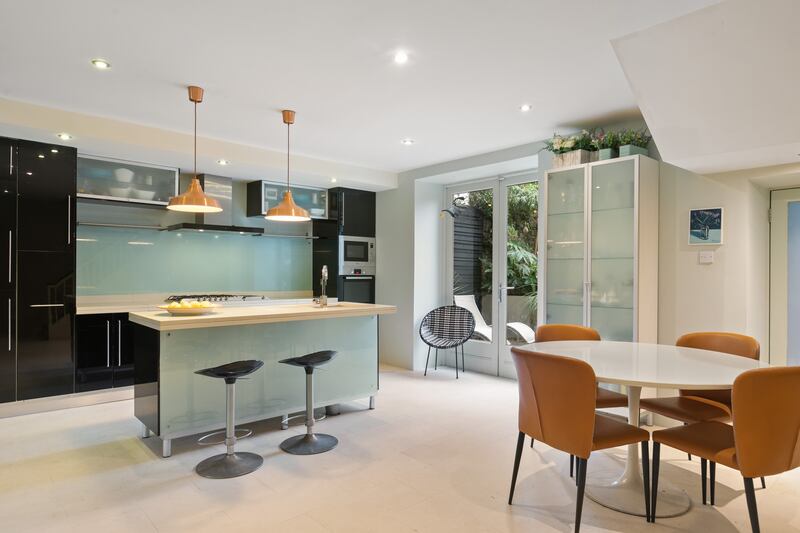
{"x": 317, "y": 211}
{"x": 120, "y": 192}
{"x": 124, "y": 175}
{"x": 143, "y": 195}
{"x": 188, "y": 308}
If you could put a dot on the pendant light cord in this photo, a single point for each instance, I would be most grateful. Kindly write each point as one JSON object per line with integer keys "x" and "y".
{"x": 195, "y": 139}
{"x": 288, "y": 134}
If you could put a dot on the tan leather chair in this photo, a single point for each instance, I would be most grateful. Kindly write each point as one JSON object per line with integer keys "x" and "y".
{"x": 763, "y": 441}
{"x": 557, "y": 398}
{"x": 704, "y": 405}
{"x": 569, "y": 332}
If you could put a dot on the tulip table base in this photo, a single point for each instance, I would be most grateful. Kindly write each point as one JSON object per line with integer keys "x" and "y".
{"x": 625, "y": 492}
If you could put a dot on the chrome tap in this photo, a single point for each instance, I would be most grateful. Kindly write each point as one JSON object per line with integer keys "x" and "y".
{"x": 323, "y": 298}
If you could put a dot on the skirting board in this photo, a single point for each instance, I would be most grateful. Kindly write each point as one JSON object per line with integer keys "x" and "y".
{"x": 81, "y": 399}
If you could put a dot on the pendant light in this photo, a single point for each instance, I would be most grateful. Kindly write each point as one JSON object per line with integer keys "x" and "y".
{"x": 287, "y": 210}
{"x": 194, "y": 200}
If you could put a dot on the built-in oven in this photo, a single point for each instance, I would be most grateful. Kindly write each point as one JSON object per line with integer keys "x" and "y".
{"x": 356, "y": 256}
{"x": 357, "y": 288}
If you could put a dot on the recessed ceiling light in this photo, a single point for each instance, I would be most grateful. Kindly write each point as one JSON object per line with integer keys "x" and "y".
{"x": 101, "y": 64}
{"x": 407, "y": 141}
{"x": 333, "y": 180}
{"x": 401, "y": 57}
{"x": 525, "y": 108}
{"x": 41, "y": 156}
{"x": 54, "y": 150}
{"x": 64, "y": 136}
{"x": 223, "y": 162}
{"x": 29, "y": 173}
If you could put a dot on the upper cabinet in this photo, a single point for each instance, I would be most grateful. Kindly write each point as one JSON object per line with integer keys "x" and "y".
{"x": 124, "y": 181}
{"x": 354, "y": 210}
{"x": 262, "y": 195}
{"x": 599, "y": 265}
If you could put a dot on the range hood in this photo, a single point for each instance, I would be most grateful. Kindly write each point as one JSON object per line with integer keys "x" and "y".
{"x": 221, "y": 189}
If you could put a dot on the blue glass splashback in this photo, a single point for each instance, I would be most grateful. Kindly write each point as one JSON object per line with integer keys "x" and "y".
{"x": 135, "y": 261}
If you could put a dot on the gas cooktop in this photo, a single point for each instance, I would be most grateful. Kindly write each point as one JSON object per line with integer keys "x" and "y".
{"x": 232, "y": 299}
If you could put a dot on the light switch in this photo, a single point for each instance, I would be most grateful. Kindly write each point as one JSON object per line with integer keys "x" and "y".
{"x": 705, "y": 258}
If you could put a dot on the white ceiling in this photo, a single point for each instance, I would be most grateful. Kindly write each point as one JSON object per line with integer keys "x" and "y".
{"x": 719, "y": 87}
{"x": 472, "y": 63}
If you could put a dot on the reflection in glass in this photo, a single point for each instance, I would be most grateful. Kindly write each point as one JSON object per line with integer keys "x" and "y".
{"x": 522, "y": 264}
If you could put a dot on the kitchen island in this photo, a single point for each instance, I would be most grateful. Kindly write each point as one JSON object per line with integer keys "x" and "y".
{"x": 172, "y": 401}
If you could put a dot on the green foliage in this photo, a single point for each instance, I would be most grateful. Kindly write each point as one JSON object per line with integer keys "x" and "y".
{"x": 606, "y": 140}
{"x": 639, "y": 138}
{"x": 579, "y": 141}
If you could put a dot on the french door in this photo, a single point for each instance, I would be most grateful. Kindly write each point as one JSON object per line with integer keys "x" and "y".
{"x": 492, "y": 265}
{"x": 784, "y": 278}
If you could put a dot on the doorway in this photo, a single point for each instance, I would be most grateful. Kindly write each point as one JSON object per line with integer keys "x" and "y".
{"x": 784, "y": 276}
{"x": 492, "y": 245}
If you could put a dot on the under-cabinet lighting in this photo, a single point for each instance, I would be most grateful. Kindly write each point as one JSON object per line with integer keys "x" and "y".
{"x": 140, "y": 243}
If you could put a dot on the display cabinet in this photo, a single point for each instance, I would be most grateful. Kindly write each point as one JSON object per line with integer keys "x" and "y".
{"x": 124, "y": 181}
{"x": 262, "y": 195}
{"x": 599, "y": 259}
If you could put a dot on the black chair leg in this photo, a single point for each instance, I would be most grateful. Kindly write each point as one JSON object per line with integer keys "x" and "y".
{"x": 763, "y": 483}
{"x": 436, "y": 360}
{"x": 463, "y": 360}
{"x": 456, "y": 362}
{"x": 520, "y": 442}
{"x": 713, "y": 468}
{"x": 646, "y": 477}
{"x": 703, "y": 467}
{"x": 750, "y": 494}
{"x": 427, "y": 359}
{"x": 571, "y": 465}
{"x": 654, "y": 491}
{"x": 582, "y": 463}
{"x": 689, "y": 456}
{"x": 532, "y": 441}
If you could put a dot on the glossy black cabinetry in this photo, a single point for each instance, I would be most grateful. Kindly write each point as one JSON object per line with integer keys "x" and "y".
{"x": 353, "y": 210}
{"x": 45, "y": 324}
{"x": 8, "y": 216}
{"x": 46, "y": 190}
{"x": 103, "y": 352}
{"x": 8, "y": 348}
{"x": 325, "y": 252}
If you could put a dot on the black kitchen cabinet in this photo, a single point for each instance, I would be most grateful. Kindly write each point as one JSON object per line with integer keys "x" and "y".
{"x": 8, "y": 348}
{"x": 8, "y": 215}
{"x": 46, "y": 189}
{"x": 354, "y": 210}
{"x": 103, "y": 352}
{"x": 45, "y": 324}
{"x": 325, "y": 252}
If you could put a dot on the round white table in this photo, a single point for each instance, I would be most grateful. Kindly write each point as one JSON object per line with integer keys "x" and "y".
{"x": 638, "y": 365}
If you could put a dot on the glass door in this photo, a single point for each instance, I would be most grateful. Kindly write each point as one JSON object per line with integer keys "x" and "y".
{"x": 471, "y": 255}
{"x": 784, "y": 278}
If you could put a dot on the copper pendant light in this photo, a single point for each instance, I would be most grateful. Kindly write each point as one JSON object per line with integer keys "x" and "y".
{"x": 287, "y": 210}
{"x": 194, "y": 200}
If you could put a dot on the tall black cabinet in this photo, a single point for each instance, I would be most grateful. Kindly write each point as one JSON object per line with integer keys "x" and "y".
{"x": 104, "y": 352}
{"x": 38, "y": 217}
{"x": 353, "y": 210}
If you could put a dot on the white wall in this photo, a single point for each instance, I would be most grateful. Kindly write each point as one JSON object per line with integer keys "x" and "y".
{"x": 732, "y": 293}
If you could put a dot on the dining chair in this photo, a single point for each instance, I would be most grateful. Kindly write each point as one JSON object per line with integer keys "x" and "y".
{"x": 557, "y": 399}
{"x": 570, "y": 332}
{"x": 704, "y": 405}
{"x": 764, "y": 439}
{"x": 446, "y": 327}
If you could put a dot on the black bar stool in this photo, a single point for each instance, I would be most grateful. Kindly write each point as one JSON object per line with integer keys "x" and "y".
{"x": 231, "y": 463}
{"x": 311, "y": 443}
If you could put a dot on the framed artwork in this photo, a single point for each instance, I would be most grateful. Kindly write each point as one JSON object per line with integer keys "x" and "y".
{"x": 705, "y": 226}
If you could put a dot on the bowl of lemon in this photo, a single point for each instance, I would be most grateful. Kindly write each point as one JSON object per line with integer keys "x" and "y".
{"x": 188, "y": 308}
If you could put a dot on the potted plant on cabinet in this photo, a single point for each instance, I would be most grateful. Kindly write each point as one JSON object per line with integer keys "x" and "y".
{"x": 573, "y": 150}
{"x": 607, "y": 144}
{"x": 632, "y": 142}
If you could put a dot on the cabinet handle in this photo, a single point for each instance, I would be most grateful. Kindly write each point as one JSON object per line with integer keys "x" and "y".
{"x": 9, "y": 257}
{"x": 341, "y": 208}
{"x": 69, "y": 219}
{"x": 10, "y": 160}
{"x": 119, "y": 342}
{"x": 108, "y": 344}
{"x": 9, "y": 324}
{"x": 47, "y": 305}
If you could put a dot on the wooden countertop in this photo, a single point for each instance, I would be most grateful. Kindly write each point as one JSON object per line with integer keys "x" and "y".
{"x": 242, "y": 316}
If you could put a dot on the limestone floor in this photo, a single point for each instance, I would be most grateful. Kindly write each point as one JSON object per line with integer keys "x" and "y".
{"x": 435, "y": 456}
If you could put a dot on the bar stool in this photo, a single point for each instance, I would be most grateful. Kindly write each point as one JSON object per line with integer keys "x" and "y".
{"x": 311, "y": 443}
{"x": 231, "y": 463}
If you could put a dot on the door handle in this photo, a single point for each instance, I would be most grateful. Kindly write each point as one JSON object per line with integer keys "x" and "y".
{"x": 9, "y": 256}
{"x": 9, "y": 324}
{"x": 501, "y": 289}
{"x": 46, "y": 305}
{"x": 69, "y": 219}
{"x": 108, "y": 344}
{"x": 119, "y": 342}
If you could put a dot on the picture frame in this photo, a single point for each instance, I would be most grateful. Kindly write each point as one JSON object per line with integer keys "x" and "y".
{"x": 705, "y": 226}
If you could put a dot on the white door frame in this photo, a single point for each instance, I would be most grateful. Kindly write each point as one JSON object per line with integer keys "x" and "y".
{"x": 491, "y": 358}
{"x": 778, "y": 273}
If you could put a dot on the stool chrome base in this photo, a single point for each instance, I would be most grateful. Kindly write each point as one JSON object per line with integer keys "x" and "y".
{"x": 224, "y": 466}
{"x": 309, "y": 444}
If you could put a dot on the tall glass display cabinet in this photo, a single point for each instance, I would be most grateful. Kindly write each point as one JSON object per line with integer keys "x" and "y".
{"x": 598, "y": 264}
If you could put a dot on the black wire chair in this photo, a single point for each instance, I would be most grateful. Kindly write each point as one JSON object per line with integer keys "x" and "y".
{"x": 446, "y": 327}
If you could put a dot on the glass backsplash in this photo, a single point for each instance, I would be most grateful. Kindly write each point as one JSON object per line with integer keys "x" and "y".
{"x": 136, "y": 261}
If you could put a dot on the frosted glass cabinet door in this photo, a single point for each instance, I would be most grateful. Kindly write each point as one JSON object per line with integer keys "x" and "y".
{"x": 612, "y": 250}
{"x": 565, "y": 246}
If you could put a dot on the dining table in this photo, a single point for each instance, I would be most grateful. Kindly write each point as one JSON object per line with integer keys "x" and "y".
{"x": 635, "y": 365}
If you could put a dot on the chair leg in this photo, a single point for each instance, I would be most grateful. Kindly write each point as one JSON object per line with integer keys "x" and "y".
{"x": 436, "y": 360}
{"x": 571, "y": 465}
{"x": 646, "y": 477}
{"x": 520, "y": 442}
{"x": 582, "y": 463}
{"x": 532, "y": 441}
{"x": 763, "y": 483}
{"x": 427, "y": 359}
{"x": 703, "y": 467}
{"x": 750, "y": 494}
{"x": 463, "y": 361}
{"x": 654, "y": 491}
{"x": 689, "y": 456}
{"x": 713, "y": 486}
{"x": 456, "y": 362}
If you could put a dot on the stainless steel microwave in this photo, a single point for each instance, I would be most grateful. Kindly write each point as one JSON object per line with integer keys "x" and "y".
{"x": 356, "y": 255}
